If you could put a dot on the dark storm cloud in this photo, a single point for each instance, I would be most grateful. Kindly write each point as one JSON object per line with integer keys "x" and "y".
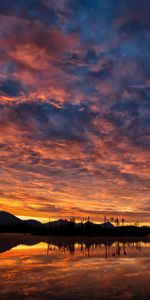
{"x": 42, "y": 121}
{"x": 34, "y": 10}
{"x": 11, "y": 88}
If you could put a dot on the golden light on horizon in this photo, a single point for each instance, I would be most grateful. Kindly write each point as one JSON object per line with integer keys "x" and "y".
{"x": 74, "y": 115}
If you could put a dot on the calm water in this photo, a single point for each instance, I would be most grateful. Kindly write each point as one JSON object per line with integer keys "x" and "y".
{"x": 64, "y": 269}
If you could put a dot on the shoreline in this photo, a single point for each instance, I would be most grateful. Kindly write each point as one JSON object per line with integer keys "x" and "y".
{"x": 27, "y": 237}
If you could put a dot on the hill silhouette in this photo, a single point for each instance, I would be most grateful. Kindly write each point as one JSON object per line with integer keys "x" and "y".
{"x": 11, "y": 223}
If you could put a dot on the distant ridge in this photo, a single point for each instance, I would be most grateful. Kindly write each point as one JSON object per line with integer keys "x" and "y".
{"x": 107, "y": 225}
{"x": 11, "y": 223}
{"x": 8, "y": 218}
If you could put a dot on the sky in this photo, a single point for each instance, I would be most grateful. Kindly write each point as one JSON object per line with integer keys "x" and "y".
{"x": 75, "y": 109}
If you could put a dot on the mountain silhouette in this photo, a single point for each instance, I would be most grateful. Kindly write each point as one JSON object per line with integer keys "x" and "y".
{"x": 107, "y": 225}
{"x": 11, "y": 223}
{"x": 31, "y": 222}
{"x": 8, "y": 218}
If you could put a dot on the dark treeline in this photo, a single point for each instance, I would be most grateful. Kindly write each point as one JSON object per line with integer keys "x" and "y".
{"x": 10, "y": 223}
{"x": 68, "y": 228}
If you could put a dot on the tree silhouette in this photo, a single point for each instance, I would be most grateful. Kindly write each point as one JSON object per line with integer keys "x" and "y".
{"x": 117, "y": 222}
{"x": 122, "y": 221}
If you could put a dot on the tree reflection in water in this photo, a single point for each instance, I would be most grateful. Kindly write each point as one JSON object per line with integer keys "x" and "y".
{"x": 88, "y": 249}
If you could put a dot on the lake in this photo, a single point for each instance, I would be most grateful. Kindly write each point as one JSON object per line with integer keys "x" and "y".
{"x": 74, "y": 268}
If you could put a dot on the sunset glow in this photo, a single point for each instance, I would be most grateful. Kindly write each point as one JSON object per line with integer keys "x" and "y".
{"x": 75, "y": 109}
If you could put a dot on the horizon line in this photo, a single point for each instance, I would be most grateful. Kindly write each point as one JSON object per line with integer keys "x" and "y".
{"x": 79, "y": 220}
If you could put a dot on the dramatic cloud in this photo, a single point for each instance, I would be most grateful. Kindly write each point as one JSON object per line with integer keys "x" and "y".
{"x": 75, "y": 108}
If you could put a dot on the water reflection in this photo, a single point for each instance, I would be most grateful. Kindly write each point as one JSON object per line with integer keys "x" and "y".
{"x": 86, "y": 245}
{"x": 112, "y": 249}
{"x": 57, "y": 268}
